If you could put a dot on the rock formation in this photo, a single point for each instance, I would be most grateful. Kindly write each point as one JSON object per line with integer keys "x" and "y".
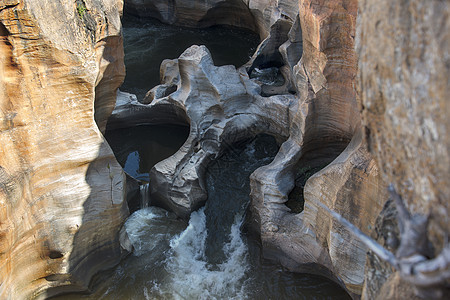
{"x": 222, "y": 105}
{"x": 322, "y": 118}
{"x": 403, "y": 82}
{"x": 327, "y": 120}
{"x": 61, "y": 189}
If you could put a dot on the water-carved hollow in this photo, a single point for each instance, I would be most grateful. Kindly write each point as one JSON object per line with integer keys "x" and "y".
{"x": 139, "y": 148}
{"x": 147, "y": 42}
{"x": 322, "y": 144}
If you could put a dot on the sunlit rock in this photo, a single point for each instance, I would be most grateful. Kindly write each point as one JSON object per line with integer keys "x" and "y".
{"x": 61, "y": 189}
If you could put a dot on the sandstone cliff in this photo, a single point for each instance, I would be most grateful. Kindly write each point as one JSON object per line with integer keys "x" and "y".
{"x": 61, "y": 189}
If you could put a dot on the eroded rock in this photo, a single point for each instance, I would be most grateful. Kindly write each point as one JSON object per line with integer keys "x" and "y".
{"x": 320, "y": 134}
{"x": 61, "y": 189}
{"x": 223, "y": 106}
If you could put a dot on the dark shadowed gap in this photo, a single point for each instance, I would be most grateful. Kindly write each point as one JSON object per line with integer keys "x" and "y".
{"x": 139, "y": 148}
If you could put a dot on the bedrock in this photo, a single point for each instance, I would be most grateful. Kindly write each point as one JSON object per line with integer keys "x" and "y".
{"x": 61, "y": 189}
{"x": 315, "y": 115}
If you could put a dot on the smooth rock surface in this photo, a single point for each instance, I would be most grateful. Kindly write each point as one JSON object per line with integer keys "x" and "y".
{"x": 222, "y": 105}
{"x": 61, "y": 189}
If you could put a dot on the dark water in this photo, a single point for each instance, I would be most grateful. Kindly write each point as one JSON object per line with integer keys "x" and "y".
{"x": 148, "y": 42}
{"x": 139, "y": 148}
{"x": 209, "y": 258}
{"x": 228, "y": 187}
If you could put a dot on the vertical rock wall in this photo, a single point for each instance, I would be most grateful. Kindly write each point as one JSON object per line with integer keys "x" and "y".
{"x": 403, "y": 81}
{"x": 61, "y": 189}
{"x": 325, "y": 134}
{"x": 350, "y": 184}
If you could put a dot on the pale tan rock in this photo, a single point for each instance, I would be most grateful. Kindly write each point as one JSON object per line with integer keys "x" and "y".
{"x": 403, "y": 82}
{"x": 61, "y": 189}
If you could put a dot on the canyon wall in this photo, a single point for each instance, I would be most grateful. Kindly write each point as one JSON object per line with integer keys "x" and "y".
{"x": 61, "y": 189}
{"x": 326, "y": 141}
{"x": 403, "y": 82}
{"x": 345, "y": 134}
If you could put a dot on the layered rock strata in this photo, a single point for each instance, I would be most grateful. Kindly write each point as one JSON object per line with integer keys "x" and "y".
{"x": 61, "y": 189}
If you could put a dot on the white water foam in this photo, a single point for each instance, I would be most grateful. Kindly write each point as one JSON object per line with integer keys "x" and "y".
{"x": 149, "y": 229}
{"x": 193, "y": 278}
{"x": 145, "y": 195}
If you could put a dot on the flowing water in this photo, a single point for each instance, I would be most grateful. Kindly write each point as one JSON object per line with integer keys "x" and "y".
{"x": 209, "y": 258}
{"x": 148, "y": 42}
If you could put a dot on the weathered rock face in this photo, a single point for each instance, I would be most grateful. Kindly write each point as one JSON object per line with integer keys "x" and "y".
{"x": 327, "y": 119}
{"x": 61, "y": 189}
{"x": 404, "y": 85}
{"x": 351, "y": 186}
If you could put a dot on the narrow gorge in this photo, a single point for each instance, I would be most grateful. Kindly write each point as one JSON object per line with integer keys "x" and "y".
{"x": 219, "y": 149}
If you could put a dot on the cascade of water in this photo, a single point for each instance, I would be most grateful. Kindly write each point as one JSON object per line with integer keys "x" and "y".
{"x": 192, "y": 277}
{"x": 209, "y": 258}
{"x": 145, "y": 195}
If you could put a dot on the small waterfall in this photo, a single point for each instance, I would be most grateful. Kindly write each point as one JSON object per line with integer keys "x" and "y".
{"x": 209, "y": 258}
{"x": 145, "y": 195}
{"x": 192, "y": 277}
